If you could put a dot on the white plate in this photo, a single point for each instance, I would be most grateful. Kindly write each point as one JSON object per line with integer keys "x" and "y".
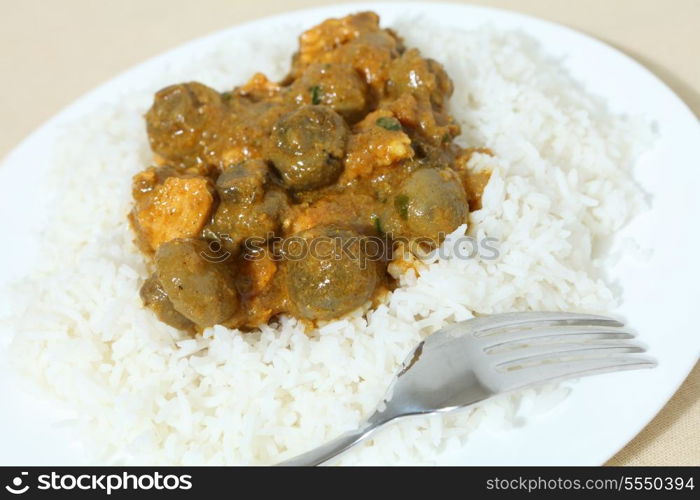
{"x": 603, "y": 413}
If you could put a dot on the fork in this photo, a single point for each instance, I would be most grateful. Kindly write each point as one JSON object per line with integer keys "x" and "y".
{"x": 471, "y": 361}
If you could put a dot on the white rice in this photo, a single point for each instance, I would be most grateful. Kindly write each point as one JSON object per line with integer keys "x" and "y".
{"x": 147, "y": 394}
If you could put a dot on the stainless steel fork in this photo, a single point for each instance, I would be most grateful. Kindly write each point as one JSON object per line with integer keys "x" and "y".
{"x": 468, "y": 362}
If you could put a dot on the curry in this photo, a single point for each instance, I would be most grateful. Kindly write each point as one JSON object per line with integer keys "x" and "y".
{"x": 355, "y": 146}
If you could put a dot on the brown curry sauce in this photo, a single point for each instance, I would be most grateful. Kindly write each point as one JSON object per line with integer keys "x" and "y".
{"x": 355, "y": 143}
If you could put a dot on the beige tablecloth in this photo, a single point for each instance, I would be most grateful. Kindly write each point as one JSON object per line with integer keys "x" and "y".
{"x": 52, "y": 52}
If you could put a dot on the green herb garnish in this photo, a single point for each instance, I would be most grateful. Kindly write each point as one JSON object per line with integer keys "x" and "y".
{"x": 378, "y": 225}
{"x": 226, "y": 96}
{"x": 446, "y": 138}
{"x": 401, "y": 204}
{"x": 315, "y": 94}
{"x": 388, "y": 123}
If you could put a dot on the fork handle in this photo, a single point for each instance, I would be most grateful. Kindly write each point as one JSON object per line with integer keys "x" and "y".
{"x": 325, "y": 452}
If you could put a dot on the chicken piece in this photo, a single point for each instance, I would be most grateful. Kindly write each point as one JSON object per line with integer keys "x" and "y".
{"x": 355, "y": 41}
{"x": 378, "y": 141}
{"x": 176, "y": 207}
{"x": 316, "y": 43}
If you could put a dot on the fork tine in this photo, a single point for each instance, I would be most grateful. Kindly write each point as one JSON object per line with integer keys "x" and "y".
{"x": 552, "y": 352}
{"x": 534, "y": 375}
{"x": 489, "y": 324}
{"x": 554, "y": 333}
